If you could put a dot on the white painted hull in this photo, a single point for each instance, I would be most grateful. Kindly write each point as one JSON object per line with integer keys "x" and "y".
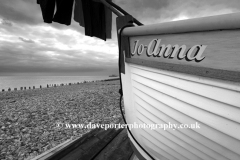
{"x": 154, "y": 96}
{"x": 197, "y": 83}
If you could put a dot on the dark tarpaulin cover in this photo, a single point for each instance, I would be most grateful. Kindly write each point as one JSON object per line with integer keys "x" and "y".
{"x": 63, "y": 13}
{"x": 47, "y": 8}
{"x": 108, "y": 17}
{"x": 94, "y": 19}
{"x": 94, "y": 16}
{"x": 78, "y": 13}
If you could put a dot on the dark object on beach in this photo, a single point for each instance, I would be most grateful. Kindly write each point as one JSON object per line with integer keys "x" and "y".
{"x": 9, "y": 89}
{"x": 40, "y": 87}
{"x": 3, "y": 90}
{"x": 25, "y": 88}
{"x": 47, "y": 86}
{"x": 33, "y": 87}
{"x": 29, "y": 87}
{"x": 55, "y": 85}
{"x": 15, "y": 89}
{"x": 113, "y": 75}
{"x": 70, "y": 84}
{"x": 21, "y": 88}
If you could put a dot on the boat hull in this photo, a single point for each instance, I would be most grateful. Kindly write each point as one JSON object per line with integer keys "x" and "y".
{"x": 194, "y": 87}
{"x": 164, "y": 97}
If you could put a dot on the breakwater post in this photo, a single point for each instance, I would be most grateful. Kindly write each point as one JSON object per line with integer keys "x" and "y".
{"x": 56, "y": 85}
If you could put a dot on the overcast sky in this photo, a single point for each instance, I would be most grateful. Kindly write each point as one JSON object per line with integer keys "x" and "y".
{"x": 29, "y": 46}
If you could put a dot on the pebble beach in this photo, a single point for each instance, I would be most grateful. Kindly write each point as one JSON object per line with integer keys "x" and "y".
{"x": 28, "y": 118}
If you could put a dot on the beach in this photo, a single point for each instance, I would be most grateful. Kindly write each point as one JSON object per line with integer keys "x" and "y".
{"x": 29, "y": 118}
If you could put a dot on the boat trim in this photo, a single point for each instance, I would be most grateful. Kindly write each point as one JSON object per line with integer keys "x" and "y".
{"x": 219, "y": 22}
{"x": 198, "y": 71}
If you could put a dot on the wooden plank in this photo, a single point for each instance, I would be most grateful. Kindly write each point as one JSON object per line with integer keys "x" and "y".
{"x": 92, "y": 146}
{"x": 54, "y": 150}
{"x": 211, "y": 54}
{"x": 119, "y": 148}
{"x": 163, "y": 111}
{"x": 216, "y": 106}
{"x": 231, "y": 144}
{"x": 221, "y": 52}
{"x": 133, "y": 157}
{"x": 70, "y": 147}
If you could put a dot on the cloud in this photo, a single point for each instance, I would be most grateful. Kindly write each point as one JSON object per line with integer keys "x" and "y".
{"x": 20, "y": 11}
{"x": 26, "y": 40}
{"x": 28, "y": 12}
{"x": 49, "y": 47}
{"x": 56, "y": 48}
{"x": 6, "y": 22}
{"x": 54, "y": 51}
{"x": 156, "y": 11}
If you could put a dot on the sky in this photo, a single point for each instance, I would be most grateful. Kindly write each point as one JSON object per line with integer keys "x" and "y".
{"x": 28, "y": 46}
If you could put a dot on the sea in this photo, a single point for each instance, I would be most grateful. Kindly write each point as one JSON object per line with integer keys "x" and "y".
{"x": 12, "y": 82}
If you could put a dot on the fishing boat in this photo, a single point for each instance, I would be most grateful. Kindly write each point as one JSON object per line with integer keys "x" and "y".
{"x": 181, "y": 86}
{"x": 184, "y": 72}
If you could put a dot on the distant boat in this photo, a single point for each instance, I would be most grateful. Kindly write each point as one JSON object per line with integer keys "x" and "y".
{"x": 113, "y": 75}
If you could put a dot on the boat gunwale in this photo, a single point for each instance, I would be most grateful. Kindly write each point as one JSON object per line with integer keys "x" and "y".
{"x": 220, "y": 22}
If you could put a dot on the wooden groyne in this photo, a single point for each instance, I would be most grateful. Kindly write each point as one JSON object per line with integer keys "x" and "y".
{"x": 56, "y": 85}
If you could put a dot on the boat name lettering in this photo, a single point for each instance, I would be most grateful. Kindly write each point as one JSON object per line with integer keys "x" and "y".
{"x": 167, "y": 51}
